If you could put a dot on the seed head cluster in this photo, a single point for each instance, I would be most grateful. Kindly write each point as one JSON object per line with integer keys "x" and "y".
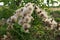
{"x": 45, "y": 18}
{"x": 24, "y": 18}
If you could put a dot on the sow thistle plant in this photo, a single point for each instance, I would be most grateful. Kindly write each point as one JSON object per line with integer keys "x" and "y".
{"x": 7, "y": 36}
{"x": 24, "y": 18}
{"x": 46, "y": 19}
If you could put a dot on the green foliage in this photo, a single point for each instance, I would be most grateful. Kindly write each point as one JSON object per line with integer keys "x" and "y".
{"x": 37, "y": 31}
{"x": 5, "y": 12}
{"x": 56, "y": 15}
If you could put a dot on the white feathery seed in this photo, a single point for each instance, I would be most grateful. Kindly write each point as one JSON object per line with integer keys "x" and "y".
{"x": 26, "y": 31}
{"x": 26, "y": 25}
{"x": 28, "y": 9}
{"x": 38, "y": 9}
{"x": 54, "y": 24}
{"x": 43, "y": 14}
{"x": 19, "y": 12}
{"x": 20, "y": 22}
{"x": 27, "y": 19}
{"x": 14, "y": 18}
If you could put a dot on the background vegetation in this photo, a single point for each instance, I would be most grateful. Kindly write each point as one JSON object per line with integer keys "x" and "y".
{"x": 37, "y": 31}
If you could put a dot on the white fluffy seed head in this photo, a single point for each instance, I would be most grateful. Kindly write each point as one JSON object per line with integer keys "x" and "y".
{"x": 44, "y": 14}
{"x": 19, "y": 12}
{"x": 8, "y": 21}
{"x": 40, "y": 12}
{"x": 54, "y": 24}
{"x": 14, "y": 18}
{"x": 20, "y": 22}
{"x": 59, "y": 28}
{"x": 26, "y": 31}
{"x": 48, "y": 20}
{"x": 28, "y": 9}
{"x": 26, "y": 25}
{"x": 51, "y": 22}
{"x": 5, "y": 36}
{"x": 28, "y": 19}
{"x": 37, "y": 9}
{"x": 29, "y": 5}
